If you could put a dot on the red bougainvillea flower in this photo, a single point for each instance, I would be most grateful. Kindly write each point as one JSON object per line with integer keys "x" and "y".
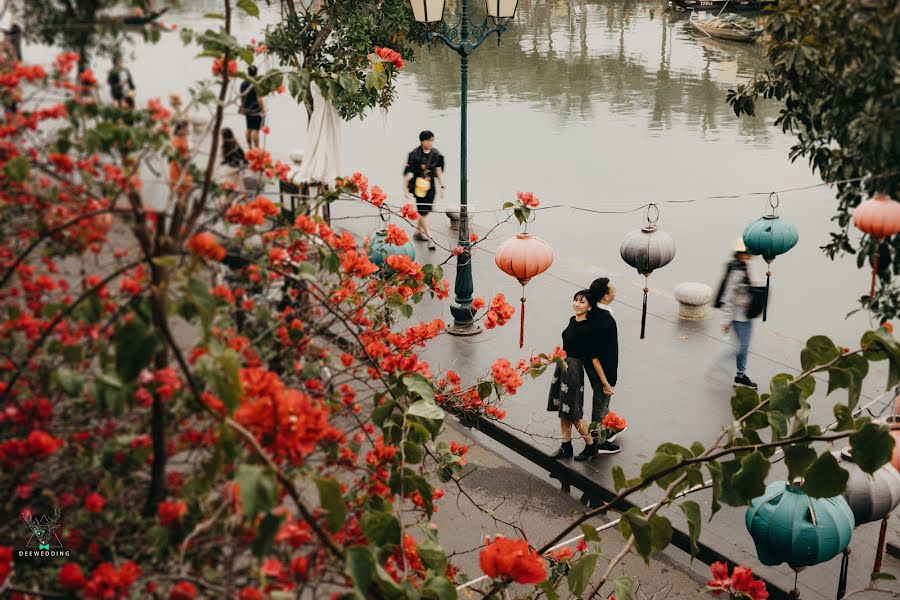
{"x": 744, "y": 583}
{"x": 218, "y": 64}
{"x": 500, "y": 312}
{"x": 561, "y": 554}
{"x": 409, "y": 212}
{"x": 71, "y": 577}
{"x": 613, "y": 422}
{"x": 739, "y": 585}
{"x": 6, "y": 556}
{"x": 183, "y": 590}
{"x": 204, "y": 244}
{"x": 107, "y": 582}
{"x": 527, "y": 199}
{"x": 171, "y": 512}
{"x": 512, "y": 559}
{"x": 94, "y": 503}
{"x": 391, "y": 56}
{"x": 395, "y": 235}
{"x": 250, "y": 594}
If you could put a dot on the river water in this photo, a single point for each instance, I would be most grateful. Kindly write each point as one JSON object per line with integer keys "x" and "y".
{"x": 602, "y": 105}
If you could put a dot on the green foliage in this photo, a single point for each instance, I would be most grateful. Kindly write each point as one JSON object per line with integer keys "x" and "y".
{"x": 330, "y": 44}
{"x": 580, "y": 573}
{"x": 833, "y": 66}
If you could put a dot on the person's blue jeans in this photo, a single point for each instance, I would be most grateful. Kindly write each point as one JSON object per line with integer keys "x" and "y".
{"x": 743, "y": 330}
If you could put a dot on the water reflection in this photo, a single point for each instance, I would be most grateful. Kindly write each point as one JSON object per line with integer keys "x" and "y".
{"x": 566, "y": 56}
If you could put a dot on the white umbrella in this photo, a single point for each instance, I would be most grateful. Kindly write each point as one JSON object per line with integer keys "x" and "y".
{"x": 322, "y": 158}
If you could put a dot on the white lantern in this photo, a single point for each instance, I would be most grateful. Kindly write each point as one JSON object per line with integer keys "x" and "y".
{"x": 428, "y": 11}
{"x": 502, "y": 10}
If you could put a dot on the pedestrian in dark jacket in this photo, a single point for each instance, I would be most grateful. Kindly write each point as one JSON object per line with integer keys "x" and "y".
{"x": 603, "y": 380}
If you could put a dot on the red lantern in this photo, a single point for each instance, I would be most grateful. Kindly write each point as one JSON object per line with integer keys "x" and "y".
{"x": 524, "y": 257}
{"x": 879, "y": 216}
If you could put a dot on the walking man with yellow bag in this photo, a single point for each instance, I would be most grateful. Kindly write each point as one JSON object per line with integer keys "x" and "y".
{"x": 424, "y": 170}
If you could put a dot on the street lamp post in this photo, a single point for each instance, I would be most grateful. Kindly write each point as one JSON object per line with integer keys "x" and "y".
{"x": 463, "y": 38}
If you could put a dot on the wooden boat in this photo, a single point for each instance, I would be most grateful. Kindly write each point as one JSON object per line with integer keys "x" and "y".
{"x": 720, "y": 4}
{"x": 725, "y": 28}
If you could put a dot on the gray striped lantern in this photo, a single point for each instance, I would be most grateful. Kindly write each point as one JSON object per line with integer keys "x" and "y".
{"x": 647, "y": 249}
{"x": 871, "y": 497}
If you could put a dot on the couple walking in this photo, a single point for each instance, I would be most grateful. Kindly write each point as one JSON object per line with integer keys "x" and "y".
{"x": 591, "y": 344}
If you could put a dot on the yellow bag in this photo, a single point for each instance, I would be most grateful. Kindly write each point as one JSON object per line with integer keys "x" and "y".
{"x": 422, "y": 187}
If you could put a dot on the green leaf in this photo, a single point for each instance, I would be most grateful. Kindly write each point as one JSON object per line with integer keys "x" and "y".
{"x": 359, "y": 567}
{"x": 691, "y": 512}
{"x": 634, "y": 523}
{"x": 135, "y": 345}
{"x": 590, "y": 533}
{"x": 381, "y": 528}
{"x": 264, "y": 541}
{"x": 750, "y": 481}
{"x": 825, "y": 478}
{"x": 432, "y": 555}
{"x": 743, "y": 401}
{"x": 484, "y": 390}
{"x": 332, "y": 502}
{"x": 785, "y": 396}
{"x": 844, "y": 416}
{"x": 548, "y": 590}
{"x": 798, "y": 459}
{"x": 72, "y": 382}
{"x": 623, "y": 589}
{"x": 17, "y": 169}
{"x": 419, "y": 385}
{"x": 580, "y": 573}
{"x": 872, "y": 446}
{"x": 818, "y": 351}
{"x": 883, "y": 577}
{"x": 618, "y": 477}
{"x": 249, "y": 7}
{"x": 440, "y": 588}
{"x": 659, "y": 463}
{"x": 778, "y": 423}
{"x": 430, "y": 414}
{"x": 257, "y": 489}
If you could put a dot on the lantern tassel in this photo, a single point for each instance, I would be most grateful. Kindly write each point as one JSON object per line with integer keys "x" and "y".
{"x": 842, "y": 579}
{"x": 874, "y": 276}
{"x": 644, "y": 310}
{"x": 879, "y": 554}
{"x": 522, "y": 322}
{"x": 766, "y": 299}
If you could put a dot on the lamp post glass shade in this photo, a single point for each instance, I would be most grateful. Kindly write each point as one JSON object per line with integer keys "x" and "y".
{"x": 502, "y": 9}
{"x": 428, "y": 11}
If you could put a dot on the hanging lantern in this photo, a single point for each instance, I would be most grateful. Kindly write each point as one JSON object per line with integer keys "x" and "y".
{"x": 789, "y": 526}
{"x": 769, "y": 236}
{"x": 380, "y": 249}
{"x": 879, "y": 217}
{"x": 871, "y": 497}
{"x": 524, "y": 257}
{"x": 648, "y": 249}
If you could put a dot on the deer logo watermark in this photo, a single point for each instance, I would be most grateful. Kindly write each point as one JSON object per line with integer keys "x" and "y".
{"x": 43, "y": 540}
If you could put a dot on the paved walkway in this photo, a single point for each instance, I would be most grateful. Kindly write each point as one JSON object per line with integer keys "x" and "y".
{"x": 672, "y": 387}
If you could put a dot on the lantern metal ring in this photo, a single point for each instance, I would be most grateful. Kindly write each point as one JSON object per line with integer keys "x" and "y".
{"x": 652, "y": 207}
{"x": 773, "y": 203}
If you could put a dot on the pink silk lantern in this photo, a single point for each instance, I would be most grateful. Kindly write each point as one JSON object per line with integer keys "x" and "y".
{"x": 879, "y": 216}
{"x": 524, "y": 257}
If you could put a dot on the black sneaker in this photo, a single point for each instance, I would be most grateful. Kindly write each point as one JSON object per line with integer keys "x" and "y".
{"x": 608, "y": 448}
{"x": 431, "y": 244}
{"x": 612, "y": 437}
{"x": 589, "y": 452}
{"x": 744, "y": 381}
{"x": 564, "y": 451}
{"x": 419, "y": 236}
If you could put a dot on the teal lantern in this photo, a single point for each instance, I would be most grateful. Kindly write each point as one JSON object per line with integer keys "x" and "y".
{"x": 789, "y": 526}
{"x": 769, "y": 236}
{"x": 380, "y": 249}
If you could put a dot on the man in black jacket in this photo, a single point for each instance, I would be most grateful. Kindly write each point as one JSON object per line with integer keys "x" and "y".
{"x": 603, "y": 380}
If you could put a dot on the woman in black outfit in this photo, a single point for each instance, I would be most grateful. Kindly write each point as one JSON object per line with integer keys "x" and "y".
{"x": 233, "y": 159}
{"x": 567, "y": 389}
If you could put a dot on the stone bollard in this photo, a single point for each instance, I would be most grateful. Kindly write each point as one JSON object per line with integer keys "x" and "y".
{"x": 692, "y": 299}
{"x": 454, "y": 219}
